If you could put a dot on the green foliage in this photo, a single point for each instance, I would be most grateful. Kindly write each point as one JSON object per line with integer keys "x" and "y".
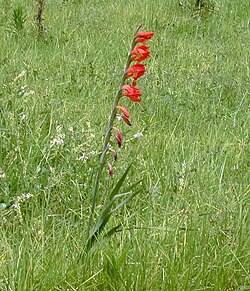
{"x": 109, "y": 209}
{"x": 18, "y": 18}
{"x": 189, "y": 227}
{"x": 202, "y": 8}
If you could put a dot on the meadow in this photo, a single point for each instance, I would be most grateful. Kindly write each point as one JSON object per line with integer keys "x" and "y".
{"x": 188, "y": 228}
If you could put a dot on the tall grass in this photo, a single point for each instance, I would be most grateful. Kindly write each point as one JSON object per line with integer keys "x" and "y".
{"x": 189, "y": 227}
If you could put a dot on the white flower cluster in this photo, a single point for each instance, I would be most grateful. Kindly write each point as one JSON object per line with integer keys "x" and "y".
{"x": 22, "y": 74}
{"x": 59, "y": 138}
{"x": 138, "y": 135}
{"x": 24, "y": 91}
{"x": 19, "y": 199}
{"x": 85, "y": 156}
{"x": 182, "y": 177}
{"x": 23, "y": 197}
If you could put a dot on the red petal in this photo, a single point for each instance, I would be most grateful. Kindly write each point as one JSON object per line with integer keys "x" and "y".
{"x": 126, "y": 120}
{"x": 136, "y": 71}
{"x": 140, "y": 53}
{"x": 131, "y": 91}
{"x": 114, "y": 153}
{"x": 124, "y": 110}
{"x": 134, "y": 98}
{"x": 110, "y": 169}
{"x": 144, "y": 36}
{"x": 118, "y": 137}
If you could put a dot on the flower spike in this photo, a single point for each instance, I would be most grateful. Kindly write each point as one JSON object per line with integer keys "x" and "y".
{"x": 138, "y": 52}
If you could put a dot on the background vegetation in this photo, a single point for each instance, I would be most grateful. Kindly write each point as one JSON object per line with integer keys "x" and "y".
{"x": 189, "y": 227}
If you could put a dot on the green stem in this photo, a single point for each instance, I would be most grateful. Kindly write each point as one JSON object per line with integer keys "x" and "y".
{"x": 109, "y": 132}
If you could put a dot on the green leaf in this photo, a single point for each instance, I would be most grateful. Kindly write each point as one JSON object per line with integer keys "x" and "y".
{"x": 119, "y": 183}
{"x": 112, "y": 230}
{"x": 125, "y": 201}
{"x": 106, "y": 213}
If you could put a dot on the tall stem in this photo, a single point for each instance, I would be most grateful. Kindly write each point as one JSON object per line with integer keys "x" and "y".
{"x": 109, "y": 132}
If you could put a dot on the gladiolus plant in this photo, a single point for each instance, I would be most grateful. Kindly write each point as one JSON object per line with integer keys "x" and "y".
{"x": 134, "y": 69}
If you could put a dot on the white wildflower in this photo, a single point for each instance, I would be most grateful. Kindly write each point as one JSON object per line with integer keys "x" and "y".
{"x": 23, "y": 73}
{"x": 182, "y": 179}
{"x": 23, "y": 197}
{"x": 16, "y": 206}
{"x": 22, "y": 90}
{"x": 28, "y": 93}
{"x": 85, "y": 156}
{"x": 59, "y": 128}
{"x": 138, "y": 135}
{"x": 59, "y": 139}
{"x": 2, "y": 174}
{"x": 23, "y": 117}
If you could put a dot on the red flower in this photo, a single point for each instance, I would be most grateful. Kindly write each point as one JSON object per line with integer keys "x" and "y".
{"x": 118, "y": 137}
{"x": 140, "y": 53}
{"x": 132, "y": 93}
{"x": 126, "y": 120}
{"x": 135, "y": 72}
{"x": 125, "y": 115}
{"x": 114, "y": 153}
{"x": 124, "y": 110}
{"x": 144, "y": 36}
{"x": 110, "y": 169}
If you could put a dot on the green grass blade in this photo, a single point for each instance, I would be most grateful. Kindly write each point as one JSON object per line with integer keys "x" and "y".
{"x": 125, "y": 201}
{"x": 119, "y": 183}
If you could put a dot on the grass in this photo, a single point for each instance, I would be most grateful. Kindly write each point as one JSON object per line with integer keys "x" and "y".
{"x": 189, "y": 227}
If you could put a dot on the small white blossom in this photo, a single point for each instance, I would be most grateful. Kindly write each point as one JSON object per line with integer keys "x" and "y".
{"x": 23, "y": 197}
{"x": 59, "y": 128}
{"x": 85, "y": 156}
{"x": 22, "y": 90}
{"x": 16, "y": 205}
{"x": 23, "y": 117}
{"x": 59, "y": 139}
{"x": 23, "y": 73}
{"x": 30, "y": 92}
{"x": 2, "y": 174}
{"x": 138, "y": 135}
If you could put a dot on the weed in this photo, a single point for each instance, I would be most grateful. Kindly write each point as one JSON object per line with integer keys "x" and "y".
{"x": 204, "y": 7}
{"x": 19, "y": 18}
